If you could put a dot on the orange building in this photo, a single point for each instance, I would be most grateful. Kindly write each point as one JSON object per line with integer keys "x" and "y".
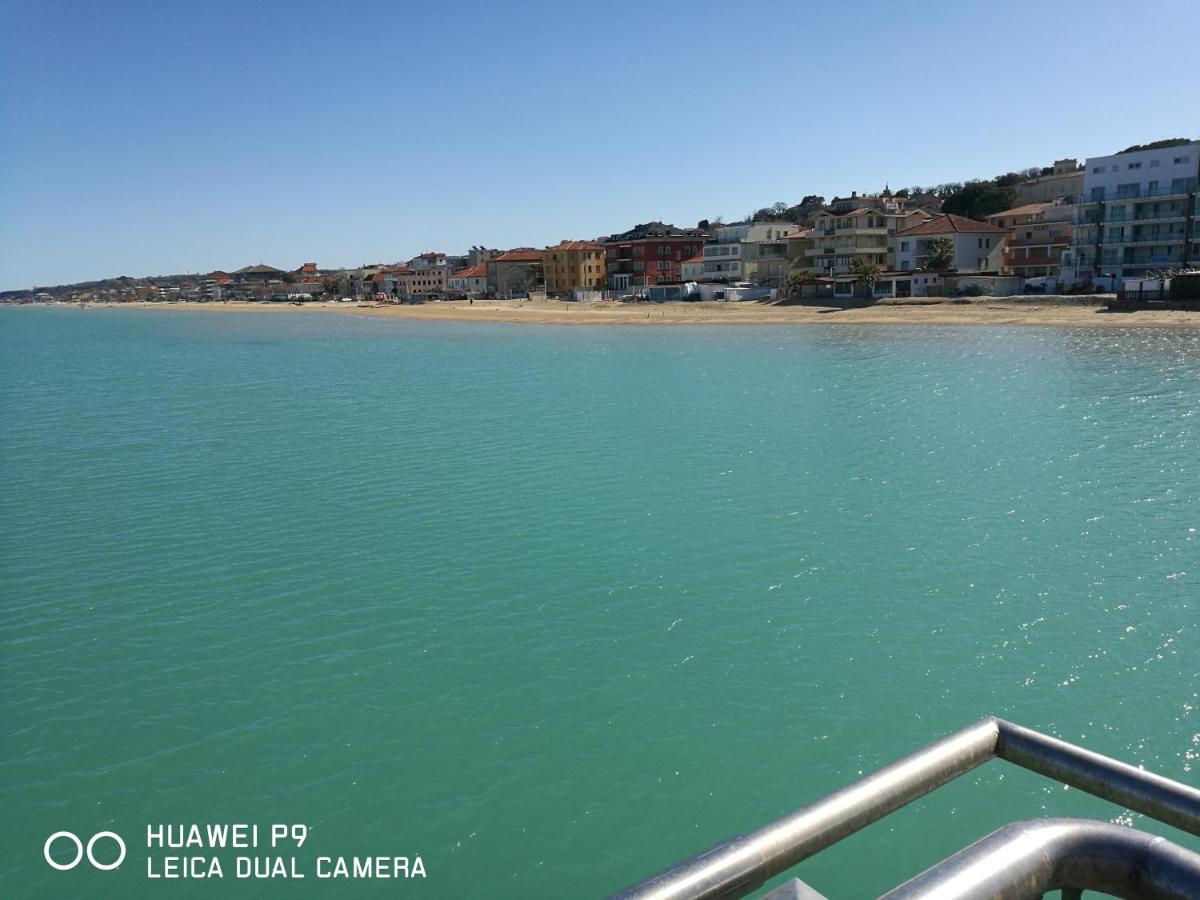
{"x": 574, "y": 264}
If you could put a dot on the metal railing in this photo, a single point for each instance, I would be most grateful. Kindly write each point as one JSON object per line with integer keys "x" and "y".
{"x": 1185, "y": 187}
{"x": 740, "y": 864}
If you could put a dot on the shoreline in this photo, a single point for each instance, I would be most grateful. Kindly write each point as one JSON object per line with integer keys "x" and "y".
{"x": 1033, "y": 310}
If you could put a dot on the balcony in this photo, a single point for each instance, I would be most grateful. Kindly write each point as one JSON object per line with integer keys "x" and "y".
{"x": 1175, "y": 237}
{"x": 1045, "y": 241}
{"x": 1013, "y": 263}
{"x": 1182, "y": 190}
{"x": 1174, "y": 215}
{"x": 843, "y": 251}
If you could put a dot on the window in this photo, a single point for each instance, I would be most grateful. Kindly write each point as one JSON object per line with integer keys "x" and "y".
{"x": 1136, "y": 165}
{"x": 904, "y": 245}
{"x": 1096, "y": 170}
{"x": 1180, "y": 160}
{"x": 1155, "y": 163}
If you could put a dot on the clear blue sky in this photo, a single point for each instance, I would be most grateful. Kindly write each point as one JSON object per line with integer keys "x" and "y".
{"x": 146, "y": 138}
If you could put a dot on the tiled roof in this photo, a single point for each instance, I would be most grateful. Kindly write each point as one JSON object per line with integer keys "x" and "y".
{"x": 523, "y": 254}
{"x": 795, "y": 235}
{"x": 576, "y": 245}
{"x": 1028, "y": 209}
{"x": 259, "y": 269}
{"x": 698, "y": 258}
{"x": 479, "y": 271}
{"x": 949, "y": 223}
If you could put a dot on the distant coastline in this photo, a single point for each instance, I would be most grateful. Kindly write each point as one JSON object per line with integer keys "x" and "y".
{"x": 1033, "y": 310}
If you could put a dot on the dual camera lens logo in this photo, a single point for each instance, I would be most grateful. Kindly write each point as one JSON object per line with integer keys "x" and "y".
{"x": 81, "y": 850}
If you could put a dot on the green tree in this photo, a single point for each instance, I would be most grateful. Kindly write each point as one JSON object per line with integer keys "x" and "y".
{"x": 978, "y": 199}
{"x": 865, "y": 272}
{"x": 940, "y": 256}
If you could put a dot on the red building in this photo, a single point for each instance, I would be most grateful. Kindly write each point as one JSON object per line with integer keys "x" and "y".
{"x": 649, "y": 254}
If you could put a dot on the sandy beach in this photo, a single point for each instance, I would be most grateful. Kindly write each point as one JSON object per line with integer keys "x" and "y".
{"x": 976, "y": 311}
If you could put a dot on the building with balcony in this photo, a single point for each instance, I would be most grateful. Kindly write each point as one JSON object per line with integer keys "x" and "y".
{"x": 649, "y": 254}
{"x": 572, "y": 265}
{"x": 1038, "y": 235}
{"x": 978, "y": 246}
{"x": 749, "y": 251}
{"x": 1138, "y": 213}
{"x": 852, "y": 228}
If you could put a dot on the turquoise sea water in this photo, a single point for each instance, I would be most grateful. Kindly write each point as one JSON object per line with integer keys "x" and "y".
{"x": 553, "y": 607}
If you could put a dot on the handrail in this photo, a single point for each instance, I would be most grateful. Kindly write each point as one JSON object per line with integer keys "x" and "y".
{"x": 1032, "y": 858}
{"x": 742, "y": 863}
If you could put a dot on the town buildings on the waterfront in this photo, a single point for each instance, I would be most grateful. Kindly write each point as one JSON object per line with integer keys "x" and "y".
{"x": 515, "y": 273}
{"x": 1137, "y": 213}
{"x": 855, "y": 228}
{"x": 748, "y": 251}
{"x": 1132, "y": 214}
{"x": 648, "y": 254}
{"x": 470, "y": 280}
{"x": 974, "y": 246}
{"x": 1038, "y": 235}
{"x": 571, "y": 266}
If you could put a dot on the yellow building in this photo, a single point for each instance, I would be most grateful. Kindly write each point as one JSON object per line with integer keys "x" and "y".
{"x": 574, "y": 264}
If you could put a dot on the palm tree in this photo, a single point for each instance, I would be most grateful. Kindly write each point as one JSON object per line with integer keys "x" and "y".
{"x": 940, "y": 256}
{"x": 798, "y": 274}
{"x": 865, "y": 271}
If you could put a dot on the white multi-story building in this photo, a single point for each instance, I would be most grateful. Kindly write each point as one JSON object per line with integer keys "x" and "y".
{"x": 1137, "y": 213}
{"x": 748, "y": 251}
{"x": 978, "y": 246}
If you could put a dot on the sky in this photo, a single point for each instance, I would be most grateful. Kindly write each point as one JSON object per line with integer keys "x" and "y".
{"x": 144, "y": 138}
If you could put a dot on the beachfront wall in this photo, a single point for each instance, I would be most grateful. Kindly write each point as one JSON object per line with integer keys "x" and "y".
{"x": 959, "y": 283}
{"x": 662, "y": 293}
{"x": 734, "y": 292}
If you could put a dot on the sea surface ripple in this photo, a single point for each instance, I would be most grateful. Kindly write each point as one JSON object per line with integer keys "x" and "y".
{"x": 553, "y": 607}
